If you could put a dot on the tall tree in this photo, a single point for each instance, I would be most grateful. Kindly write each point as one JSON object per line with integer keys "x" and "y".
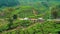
{"x": 55, "y": 11}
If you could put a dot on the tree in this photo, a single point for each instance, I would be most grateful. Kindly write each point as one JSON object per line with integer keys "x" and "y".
{"x": 54, "y": 14}
{"x": 56, "y": 11}
{"x": 14, "y": 16}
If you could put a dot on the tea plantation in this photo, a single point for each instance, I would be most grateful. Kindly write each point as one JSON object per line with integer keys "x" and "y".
{"x": 35, "y": 18}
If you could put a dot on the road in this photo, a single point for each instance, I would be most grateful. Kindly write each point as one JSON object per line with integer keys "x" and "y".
{"x": 40, "y": 19}
{"x": 35, "y": 19}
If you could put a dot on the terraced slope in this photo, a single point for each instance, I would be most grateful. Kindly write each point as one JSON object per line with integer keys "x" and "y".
{"x": 36, "y": 28}
{"x": 11, "y": 23}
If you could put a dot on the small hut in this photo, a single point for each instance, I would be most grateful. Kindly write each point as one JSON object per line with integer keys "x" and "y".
{"x": 26, "y": 18}
{"x": 40, "y": 20}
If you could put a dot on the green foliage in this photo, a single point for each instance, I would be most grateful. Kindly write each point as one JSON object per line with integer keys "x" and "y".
{"x": 45, "y": 28}
{"x": 25, "y": 23}
{"x": 12, "y": 25}
{"x": 3, "y": 27}
{"x": 55, "y": 11}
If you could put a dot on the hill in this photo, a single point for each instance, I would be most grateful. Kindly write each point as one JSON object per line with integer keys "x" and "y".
{"x": 10, "y": 3}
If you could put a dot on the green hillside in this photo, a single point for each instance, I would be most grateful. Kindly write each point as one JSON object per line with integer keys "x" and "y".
{"x": 29, "y": 17}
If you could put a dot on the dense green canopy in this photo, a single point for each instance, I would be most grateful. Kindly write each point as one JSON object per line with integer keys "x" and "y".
{"x": 8, "y": 2}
